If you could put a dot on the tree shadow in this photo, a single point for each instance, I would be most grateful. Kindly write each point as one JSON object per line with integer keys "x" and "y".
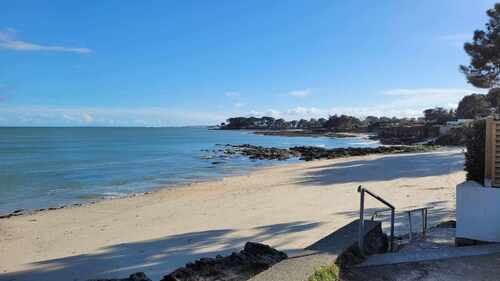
{"x": 386, "y": 168}
{"x": 155, "y": 257}
{"x": 437, "y": 212}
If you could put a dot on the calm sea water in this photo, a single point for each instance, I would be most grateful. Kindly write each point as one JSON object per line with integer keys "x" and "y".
{"x": 43, "y": 167}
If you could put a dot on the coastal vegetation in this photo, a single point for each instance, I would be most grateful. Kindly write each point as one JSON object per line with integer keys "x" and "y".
{"x": 483, "y": 72}
{"x": 484, "y": 51}
{"x": 474, "y": 156}
{"x": 326, "y": 273}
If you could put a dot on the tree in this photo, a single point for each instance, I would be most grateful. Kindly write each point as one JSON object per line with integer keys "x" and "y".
{"x": 279, "y": 124}
{"x": 370, "y": 120}
{"x": 493, "y": 98}
{"x": 342, "y": 122}
{"x": 473, "y": 106}
{"x": 484, "y": 50}
{"x": 438, "y": 115}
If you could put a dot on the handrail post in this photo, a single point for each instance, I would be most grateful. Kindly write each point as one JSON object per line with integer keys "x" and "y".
{"x": 362, "y": 191}
{"x": 392, "y": 231}
{"x": 361, "y": 219}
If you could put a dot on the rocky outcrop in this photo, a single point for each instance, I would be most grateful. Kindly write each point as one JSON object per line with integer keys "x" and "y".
{"x": 139, "y": 276}
{"x": 260, "y": 152}
{"x": 309, "y": 153}
{"x": 253, "y": 259}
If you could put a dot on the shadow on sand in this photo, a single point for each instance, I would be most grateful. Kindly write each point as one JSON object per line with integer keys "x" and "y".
{"x": 438, "y": 212}
{"x": 400, "y": 166}
{"x": 155, "y": 257}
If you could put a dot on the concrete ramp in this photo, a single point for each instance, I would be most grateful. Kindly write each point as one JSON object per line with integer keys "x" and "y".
{"x": 430, "y": 255}
{"x": 471, "y": 268}
{"x": 302, "y": 264}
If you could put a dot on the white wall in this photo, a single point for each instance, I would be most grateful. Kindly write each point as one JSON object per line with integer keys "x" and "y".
{"x": 478, "y": 212}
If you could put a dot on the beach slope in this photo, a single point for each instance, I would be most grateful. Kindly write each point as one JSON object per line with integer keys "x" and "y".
{"x": 287, "y": 207}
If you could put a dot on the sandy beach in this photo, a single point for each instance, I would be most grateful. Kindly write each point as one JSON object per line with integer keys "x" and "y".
{"x": 286, "y": 206}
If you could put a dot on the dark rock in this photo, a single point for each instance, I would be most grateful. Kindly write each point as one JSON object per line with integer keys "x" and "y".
{"x": 309, "y": 153}
{"x": 461, "y": 242}
{"x": 138, "y": 276}
{"x": 447, "y": 224}
{"x": 254, "y": 258}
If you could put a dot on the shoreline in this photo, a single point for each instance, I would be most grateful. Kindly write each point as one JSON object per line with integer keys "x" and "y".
{"x": 247, "y": 171}
{"x": 84, "y": 203}
{"x": 285, "y": 206}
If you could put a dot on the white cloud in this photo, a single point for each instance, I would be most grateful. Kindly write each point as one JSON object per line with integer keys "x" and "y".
{"x": 232, "y": 94}
{"x": 9, "y": 41}
{"x": 421, "y": 98}
{"x": 300, "y": 93}
{"x": 428, "y": 92}
{"x": 393, "y": 102}
{"x": 100, "y": 116}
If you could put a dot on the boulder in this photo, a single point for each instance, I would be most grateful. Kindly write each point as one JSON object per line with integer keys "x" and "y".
{"x": 253, "y": 259}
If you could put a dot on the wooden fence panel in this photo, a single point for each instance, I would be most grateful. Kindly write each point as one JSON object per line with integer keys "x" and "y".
{"x": 492, "y": 153}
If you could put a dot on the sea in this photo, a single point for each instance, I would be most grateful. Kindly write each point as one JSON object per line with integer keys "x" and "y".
{"x": 52, "y": 167}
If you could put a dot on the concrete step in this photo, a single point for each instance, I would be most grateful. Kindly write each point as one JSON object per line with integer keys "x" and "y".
{"x": 430, "y": 254}
{"x": 302, "y": 264}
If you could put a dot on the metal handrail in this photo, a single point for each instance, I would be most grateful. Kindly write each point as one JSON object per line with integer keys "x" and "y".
{"x": 362, "y": 221}
{"x": 424, "y": 211}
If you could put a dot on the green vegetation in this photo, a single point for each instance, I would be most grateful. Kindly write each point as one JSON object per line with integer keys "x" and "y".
{"x": 474, "y": 157}
{"x": 438, "y": 115}
{"x": 326, "y": 273}
{"x": 484, "y": 68}
{"x": 472, "y": 106}
{"x": 336, "y": 123}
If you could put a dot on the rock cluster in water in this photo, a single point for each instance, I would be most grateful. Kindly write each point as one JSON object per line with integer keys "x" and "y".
{"x": 309, "y": 153}
{"x": 253, "y": 259}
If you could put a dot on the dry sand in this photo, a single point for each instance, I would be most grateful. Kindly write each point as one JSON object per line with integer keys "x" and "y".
{"x": 287, "y": 206}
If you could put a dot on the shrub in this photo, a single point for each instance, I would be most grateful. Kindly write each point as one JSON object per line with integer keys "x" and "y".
{"x": 474, "y": 157}
{"x": 456, "y": 136}
{"x": 326, "y": 273}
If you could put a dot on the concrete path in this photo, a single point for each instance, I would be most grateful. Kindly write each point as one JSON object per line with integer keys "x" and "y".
{"x": 476, "y": 268}
{"x": 430, "y": 255}
{"x": 299, "y": 266}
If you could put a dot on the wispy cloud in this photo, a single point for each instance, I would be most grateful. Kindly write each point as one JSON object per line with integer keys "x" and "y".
{"x": 300, "y": 93}
{"x": 104, "y": 116}
{"x": 232, "y": 94}
{"x": 392, "y": 102}
{"x": 427, "y": 92}
{"x": 9, "y": 41}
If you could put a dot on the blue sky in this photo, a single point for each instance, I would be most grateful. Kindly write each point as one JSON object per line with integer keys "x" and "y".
{"x": 164, "y": 63}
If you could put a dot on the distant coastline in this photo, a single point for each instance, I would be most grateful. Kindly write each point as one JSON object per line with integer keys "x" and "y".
{"x": 312, "y": 133}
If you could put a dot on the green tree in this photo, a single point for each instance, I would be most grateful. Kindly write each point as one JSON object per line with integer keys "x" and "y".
{"x": 438, "y": 115}
{"x": 473, "y": 106}
{"x": 493, "y": 98}
{"x": 484, "y": 51}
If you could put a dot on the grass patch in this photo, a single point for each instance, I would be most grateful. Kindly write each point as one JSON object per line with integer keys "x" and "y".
{"x": 326, "y": 273}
